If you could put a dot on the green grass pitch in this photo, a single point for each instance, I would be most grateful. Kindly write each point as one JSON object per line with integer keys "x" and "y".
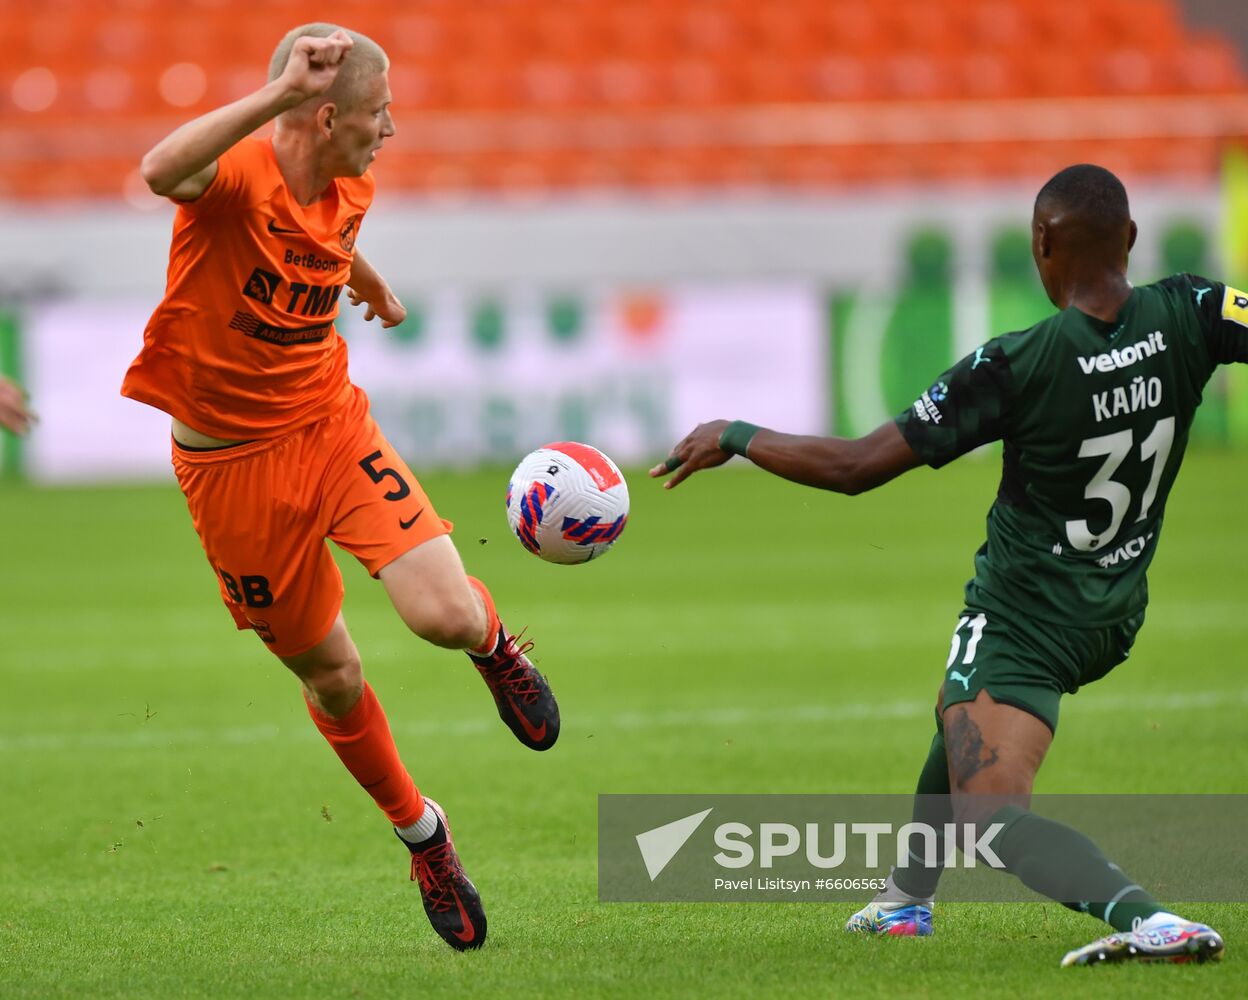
{"x": 174, "y": 826}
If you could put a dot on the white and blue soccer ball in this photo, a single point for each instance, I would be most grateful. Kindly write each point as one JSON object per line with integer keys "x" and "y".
{"x": 567, "y": 502}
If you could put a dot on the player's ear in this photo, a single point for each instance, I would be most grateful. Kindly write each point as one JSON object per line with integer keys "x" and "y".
{"x": 1044, "y": 241}
{"x": 327, "y": 118}
{"x": 1132, "y": 233}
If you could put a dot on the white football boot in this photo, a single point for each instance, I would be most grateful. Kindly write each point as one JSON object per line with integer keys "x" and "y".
{"x": 1163, "y": 937}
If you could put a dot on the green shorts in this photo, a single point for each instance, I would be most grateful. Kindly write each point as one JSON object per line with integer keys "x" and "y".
{"x": 1030, "y": 664}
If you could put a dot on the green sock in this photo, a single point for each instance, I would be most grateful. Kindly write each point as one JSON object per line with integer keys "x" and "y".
{"x": 931, "y": 806}
{"x": 1066, "y": 866}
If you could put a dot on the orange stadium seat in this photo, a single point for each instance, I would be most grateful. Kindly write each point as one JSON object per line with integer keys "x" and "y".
{"x": 1207, "y": 64}
{"x": 1133, "y": 71}
{"x": 995, "y": 25}
{"x": 784, "y": 29}
{"x": 1061, "y": 24}
{"x": 923, "y": 26}
{"x": 919, "y": 74}
{"x": 845, "y": 76}
{"x": 1145, "y": 24}
{"x": 986, "y": 73}
{"x": 706, "y": 82}
{"x": 855, "y": 28}
{"x": 417, "y": 33}
{"x": 707, "y": 29}
{"x": 532, "y": 96}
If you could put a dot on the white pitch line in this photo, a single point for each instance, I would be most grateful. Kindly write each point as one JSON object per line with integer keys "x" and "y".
{"x": 865, "y": 711}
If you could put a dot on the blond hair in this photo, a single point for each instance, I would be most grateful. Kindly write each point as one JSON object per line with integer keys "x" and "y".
{"x": 363, "y": 60}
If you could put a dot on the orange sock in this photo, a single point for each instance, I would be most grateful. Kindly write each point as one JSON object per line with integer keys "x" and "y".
{"x": 491, "y": 633}
{"x": 362, "y": 741}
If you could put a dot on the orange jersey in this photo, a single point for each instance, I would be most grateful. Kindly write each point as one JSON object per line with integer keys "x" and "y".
{"x": 243, "y": 345}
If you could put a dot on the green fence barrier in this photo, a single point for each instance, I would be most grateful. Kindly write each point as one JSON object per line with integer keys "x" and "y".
{"x": 1185, "y": 247}
{"x": 1234, "y": 238}
{"x": 10, "y": 365}
{"x": 1016, "y": 299}
{"x": 887, "y": 347}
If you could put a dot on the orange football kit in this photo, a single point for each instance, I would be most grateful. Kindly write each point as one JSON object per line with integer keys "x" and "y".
{"x": 243, "y": 348}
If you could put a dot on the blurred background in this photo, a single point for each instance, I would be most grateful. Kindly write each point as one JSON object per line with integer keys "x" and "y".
{"x": 610, "y": 220}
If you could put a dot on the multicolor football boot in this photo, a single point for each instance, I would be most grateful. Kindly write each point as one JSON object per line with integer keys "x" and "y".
{"x": 1152, "y": 940}
{"x": 521, "y": 695}
{"x": 908, "y": 919}
{"x": 451, "y": 900}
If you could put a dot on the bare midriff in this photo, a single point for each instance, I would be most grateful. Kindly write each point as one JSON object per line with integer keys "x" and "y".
{"x": 190, "y": 437}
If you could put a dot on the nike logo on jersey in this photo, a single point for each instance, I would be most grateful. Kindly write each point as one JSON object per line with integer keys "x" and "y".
{"x": 412, "y": 520}
{"x": 279, "y": 231}
{"x": 1124, "y": 357}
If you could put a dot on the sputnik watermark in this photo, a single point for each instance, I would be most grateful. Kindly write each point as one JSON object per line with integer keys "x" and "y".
{"x": 782, "y": 840}
{"x": 659, "y": 846}
{"x": 772, "y": 848}
{"x": 767, "y": 887}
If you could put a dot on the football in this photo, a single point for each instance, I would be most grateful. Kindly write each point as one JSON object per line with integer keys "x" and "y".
{"x": 567, "y": 502}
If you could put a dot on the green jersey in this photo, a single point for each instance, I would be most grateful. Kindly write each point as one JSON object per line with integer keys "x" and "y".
{"x": 1094, "y": 418}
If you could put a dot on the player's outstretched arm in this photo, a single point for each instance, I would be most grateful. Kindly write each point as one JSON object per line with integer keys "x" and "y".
{"x": 14, "y": 414}
{"x": 367, "y": 287}
{"x": 843, "y": 465}
{"x": 184, "y": 163}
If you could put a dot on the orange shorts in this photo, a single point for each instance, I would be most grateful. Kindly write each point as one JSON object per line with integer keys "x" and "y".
{"x": 264, "y": 510}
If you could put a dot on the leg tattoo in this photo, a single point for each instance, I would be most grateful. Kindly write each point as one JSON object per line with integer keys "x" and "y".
{"x": 967, "y": 753}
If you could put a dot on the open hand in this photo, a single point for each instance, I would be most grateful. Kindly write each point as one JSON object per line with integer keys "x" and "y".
{"x": 697, "y": 450}
{"x": 382, "y": 304}
{"x": 14, "y": 413}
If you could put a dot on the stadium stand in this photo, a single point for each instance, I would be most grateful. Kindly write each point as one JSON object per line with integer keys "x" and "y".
{"x": 526, "y": 97}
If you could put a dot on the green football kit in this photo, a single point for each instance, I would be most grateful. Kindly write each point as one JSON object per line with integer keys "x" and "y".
{"x": 1094, "y": 418}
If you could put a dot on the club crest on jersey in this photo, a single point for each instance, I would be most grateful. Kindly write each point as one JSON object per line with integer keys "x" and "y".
{"x": 926, "y": 407}
{"x": 346, "y": 238}
{"x": 1235, "y": 306}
